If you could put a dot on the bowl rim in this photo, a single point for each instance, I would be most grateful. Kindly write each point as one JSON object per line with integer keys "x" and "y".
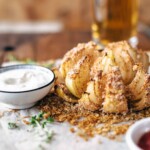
{"x": 129, "y": 140}
{"x": 27, "y": 66}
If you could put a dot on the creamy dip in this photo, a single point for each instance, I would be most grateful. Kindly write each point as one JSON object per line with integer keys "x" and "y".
{"x": 23, "y": 79}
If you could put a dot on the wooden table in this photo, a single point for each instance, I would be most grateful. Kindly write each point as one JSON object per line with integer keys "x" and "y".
{"x": 51, "y": 46}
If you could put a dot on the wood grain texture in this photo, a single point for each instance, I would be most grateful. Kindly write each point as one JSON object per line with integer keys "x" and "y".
{"x": 51, "y": 46}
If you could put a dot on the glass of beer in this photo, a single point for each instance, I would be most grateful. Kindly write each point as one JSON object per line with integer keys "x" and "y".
{"x": 115, "y": 20}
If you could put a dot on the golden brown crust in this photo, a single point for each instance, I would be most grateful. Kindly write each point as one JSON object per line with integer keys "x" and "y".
{"x": 92, "y": 99}
{"x": 58, "y": 76}
{"x": 86, "y": 103}
{"x": 62, "y": 91}
{"x": 115, "y": 100}
{"x": 139, "y": 89}
{"x": 143, "y": 58}
{"x": 109, "y": 80}
{"x": 78, "y": 76}
{"x": 139, "y": 84}
{"x": 124, "y": 59}
{"x": 74, "y": 55}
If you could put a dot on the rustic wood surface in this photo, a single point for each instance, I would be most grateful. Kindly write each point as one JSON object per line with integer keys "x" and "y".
{"x": 50, "y": 46}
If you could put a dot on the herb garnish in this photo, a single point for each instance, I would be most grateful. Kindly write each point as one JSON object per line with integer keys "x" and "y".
{"x": 12, "y": 125}
{"x": 39, "y": 120}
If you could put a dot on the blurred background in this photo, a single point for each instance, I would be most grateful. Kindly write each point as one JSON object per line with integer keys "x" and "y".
{"x": 51, "y": 16}
{"x": 73, "y": 14}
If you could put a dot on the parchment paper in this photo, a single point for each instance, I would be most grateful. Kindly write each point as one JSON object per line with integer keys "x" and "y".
{"x": 28, "y": 138}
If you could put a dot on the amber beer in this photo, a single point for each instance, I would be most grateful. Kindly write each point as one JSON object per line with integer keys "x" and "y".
{"x": 114, "y": 20}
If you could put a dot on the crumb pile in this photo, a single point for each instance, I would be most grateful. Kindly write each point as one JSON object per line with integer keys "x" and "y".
{"x": 86, "y": 123}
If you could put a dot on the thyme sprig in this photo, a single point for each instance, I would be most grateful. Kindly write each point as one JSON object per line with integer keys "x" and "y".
{"x": 40, "y": 120}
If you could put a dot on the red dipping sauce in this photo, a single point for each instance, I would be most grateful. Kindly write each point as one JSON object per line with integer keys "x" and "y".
{"x": 144, "y": 142}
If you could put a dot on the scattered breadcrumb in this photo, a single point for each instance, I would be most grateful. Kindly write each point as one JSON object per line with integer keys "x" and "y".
{"x": 72, "y": 130}
{"x": 90, "y": 123}
{"x": 26, "y": 117}
{"x": 26, "y": 122}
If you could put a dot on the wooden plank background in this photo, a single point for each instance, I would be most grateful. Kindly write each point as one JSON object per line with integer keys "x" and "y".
{"x": 74, "y": 14}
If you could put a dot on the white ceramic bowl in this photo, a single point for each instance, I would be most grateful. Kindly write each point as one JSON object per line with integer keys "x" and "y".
{"x": 28, "y": 98}
{"x": 135, "y": 132}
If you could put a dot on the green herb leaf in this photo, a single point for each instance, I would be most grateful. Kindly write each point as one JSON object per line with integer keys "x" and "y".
{"x": 12, "y": 125}
{"x": 33, "y": 121}
{"x": 40, "y": 116}
{"x": 44, "y": 123}
{"x": 39, "y": 120}
{"x": 50, "y": 120}
{"x": 49, "y": 136}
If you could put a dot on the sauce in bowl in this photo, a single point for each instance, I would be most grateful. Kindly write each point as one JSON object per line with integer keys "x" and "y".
{"x": 23, "y": 79}
{"x": 144, "y": 141}
{"x": 21, "y": 86}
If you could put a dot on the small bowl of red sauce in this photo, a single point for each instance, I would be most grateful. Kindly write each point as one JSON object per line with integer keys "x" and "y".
{"x": 138, "y": 135}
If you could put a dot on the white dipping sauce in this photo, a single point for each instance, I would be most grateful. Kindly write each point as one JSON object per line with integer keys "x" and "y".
{"x": 23, "y": 79}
